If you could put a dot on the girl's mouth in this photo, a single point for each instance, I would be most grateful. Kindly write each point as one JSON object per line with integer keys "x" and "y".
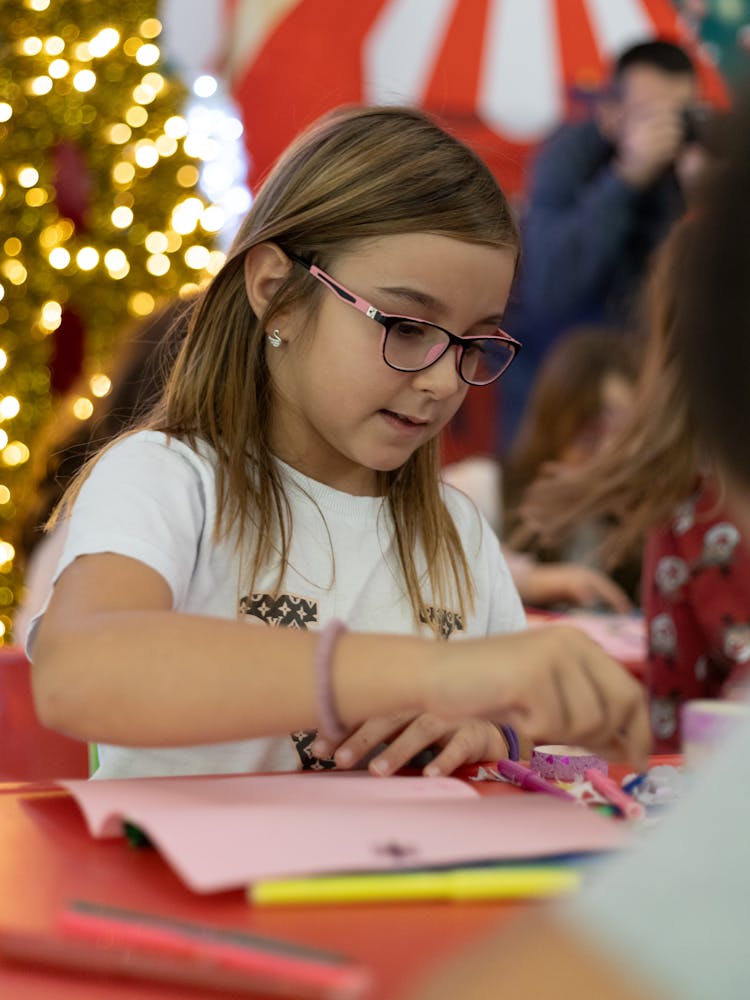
{"x": 401, "y": 421}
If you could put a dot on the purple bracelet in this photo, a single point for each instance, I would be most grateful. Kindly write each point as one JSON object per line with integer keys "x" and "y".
{"x": 330, "y": 726}
{"x": 511, "y": 738}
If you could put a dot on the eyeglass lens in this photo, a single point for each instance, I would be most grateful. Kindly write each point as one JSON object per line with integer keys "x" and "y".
{"x": 412, "y": 346}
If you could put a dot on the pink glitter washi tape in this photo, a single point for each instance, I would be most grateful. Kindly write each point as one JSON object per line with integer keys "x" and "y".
{"x": 561, "y": 763}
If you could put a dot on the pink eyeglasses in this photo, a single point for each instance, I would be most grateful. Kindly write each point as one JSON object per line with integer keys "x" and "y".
{"x": 411, "y": 345}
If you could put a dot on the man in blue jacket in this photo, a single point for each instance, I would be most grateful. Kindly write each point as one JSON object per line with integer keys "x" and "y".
{"x": 603, "y": 193}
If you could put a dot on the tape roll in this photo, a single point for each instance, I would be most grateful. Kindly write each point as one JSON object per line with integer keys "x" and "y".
{"x": 704, "y": 723}
{"x": 563, "y": 763}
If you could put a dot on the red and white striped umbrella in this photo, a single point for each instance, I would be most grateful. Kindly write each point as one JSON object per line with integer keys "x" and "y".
{"x": 499, "y": 73}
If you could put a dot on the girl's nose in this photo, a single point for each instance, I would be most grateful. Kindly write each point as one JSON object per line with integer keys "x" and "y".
{"x": 441, "y": 379}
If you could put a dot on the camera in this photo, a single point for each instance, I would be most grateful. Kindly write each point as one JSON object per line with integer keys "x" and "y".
{"x": 696, "y": 124}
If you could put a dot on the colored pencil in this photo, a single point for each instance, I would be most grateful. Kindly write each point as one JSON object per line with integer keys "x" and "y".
{"x": 513, "y": 882}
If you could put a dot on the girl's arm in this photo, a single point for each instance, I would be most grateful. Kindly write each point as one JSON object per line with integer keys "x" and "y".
{"x": 114, "y": 663}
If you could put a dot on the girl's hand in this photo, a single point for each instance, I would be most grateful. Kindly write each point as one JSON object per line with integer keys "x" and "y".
{"x": 553, "y": 684}
{"x": 461, "y": 743}
{"x": 583, "y": 586}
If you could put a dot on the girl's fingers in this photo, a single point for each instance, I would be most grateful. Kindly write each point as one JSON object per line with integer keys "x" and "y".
{"x": 367, "y": 737}
{"x": 583, "y": 709}
{"x": 582, "y": 696}
{"x": 322, "y": 748}
{"x": 634, "y": 736}
{"x": 555, "y": 701}
{"x": 422, "y": 732}
{"x": 622, "y": 726}
{"x": 475, "y": 741}
{"x": 628, "y": 731}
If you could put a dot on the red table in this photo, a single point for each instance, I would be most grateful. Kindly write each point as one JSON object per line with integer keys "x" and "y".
{"x": 48, "y": 858}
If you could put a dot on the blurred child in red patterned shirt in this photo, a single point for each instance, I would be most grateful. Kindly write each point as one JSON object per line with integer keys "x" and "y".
{"x": 657, "y": 483}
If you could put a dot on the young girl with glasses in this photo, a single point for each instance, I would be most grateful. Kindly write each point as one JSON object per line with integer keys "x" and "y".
{"x": 289, "y": 477}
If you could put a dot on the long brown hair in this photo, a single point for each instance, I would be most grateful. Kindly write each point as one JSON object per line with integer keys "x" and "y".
{"x": 717, "y": 298}
{"x": 356, "y": 173}
{"x": 565, "y": 399}
{"x": 651, "y": 464}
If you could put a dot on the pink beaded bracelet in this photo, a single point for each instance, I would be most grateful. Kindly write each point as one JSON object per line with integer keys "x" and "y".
{"x": 330, "y": 725}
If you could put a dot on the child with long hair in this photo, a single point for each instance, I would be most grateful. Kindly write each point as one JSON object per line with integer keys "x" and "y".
{"x": 666, "y": 918}
{"x": 289, "y": 477}
{"x": 582, "y": 395}
{"x": 660, "y": 488}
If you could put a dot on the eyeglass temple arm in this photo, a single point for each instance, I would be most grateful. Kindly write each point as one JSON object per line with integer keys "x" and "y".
{"x": 343, "y": 293}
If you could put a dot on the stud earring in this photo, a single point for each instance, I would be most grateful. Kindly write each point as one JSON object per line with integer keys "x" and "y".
{"x": 274, "y": 339}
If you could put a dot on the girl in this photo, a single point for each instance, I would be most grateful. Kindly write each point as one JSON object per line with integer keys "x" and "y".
{"x": 289, "y": 477}
{"x": 582, "y": 393}
{"x": 581, "y": 396}
{"x": 653, "y": 481}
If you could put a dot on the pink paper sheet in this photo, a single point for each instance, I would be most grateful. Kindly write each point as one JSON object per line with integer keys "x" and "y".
{"x": 225, "y": 832}
{"x": 622, "y": 636}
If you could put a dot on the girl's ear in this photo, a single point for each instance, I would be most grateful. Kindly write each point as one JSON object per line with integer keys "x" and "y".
{"x": 266, "y": 269}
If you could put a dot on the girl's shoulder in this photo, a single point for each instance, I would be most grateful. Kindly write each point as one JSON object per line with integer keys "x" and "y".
{"x": 149, "y": 447}
{"x": 478, "y": 478}
{"x": 466, "y": 513}
{"x": 153, "y": 464}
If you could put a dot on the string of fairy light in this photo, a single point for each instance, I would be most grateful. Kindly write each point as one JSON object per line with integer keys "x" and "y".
{"x": 84, "y": 77}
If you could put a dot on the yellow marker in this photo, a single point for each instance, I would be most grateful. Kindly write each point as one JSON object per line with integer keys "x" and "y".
{"x": 522, "y": 882}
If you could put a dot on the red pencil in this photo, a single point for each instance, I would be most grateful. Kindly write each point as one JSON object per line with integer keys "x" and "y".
{"x": 102, "y": 939}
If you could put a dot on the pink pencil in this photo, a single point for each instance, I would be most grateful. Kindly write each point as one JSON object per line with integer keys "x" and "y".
{"x": 524, "y": 777}
{"x": 614, "y": 794}
{"x": 159, "y": 947}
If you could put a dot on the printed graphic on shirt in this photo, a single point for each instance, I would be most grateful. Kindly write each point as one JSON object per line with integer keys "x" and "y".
{"x": 290, "y": 611}
{"x": 719, "y": 544}
{"x": 303, "y": 740}
{"x": 671, "y": 573}
{"x": 285, "y": 610}
{"x": 684, "y": 518}
{"x": 663, "y": 636}
{"x": 699, "y": 627}
{"x": 294, "y": 611}
{"x": 736, "y": 640}
{"x": 664, "y": 715}
{"x": 447, "y": 622}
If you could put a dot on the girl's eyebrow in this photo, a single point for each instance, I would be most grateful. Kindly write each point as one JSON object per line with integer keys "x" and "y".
{"x": 427, "y": 301}
{"x": 414, "y": 295}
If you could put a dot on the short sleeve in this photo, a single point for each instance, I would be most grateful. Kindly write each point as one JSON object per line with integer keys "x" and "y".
{"x": 498, "y": 606}
{"x": 144, "y": 498}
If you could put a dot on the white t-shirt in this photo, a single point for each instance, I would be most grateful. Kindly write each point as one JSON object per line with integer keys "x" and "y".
{"x": 154, "y": 499}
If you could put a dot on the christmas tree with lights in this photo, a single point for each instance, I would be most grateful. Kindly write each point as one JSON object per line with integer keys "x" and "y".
{"x": 100, "y": 217}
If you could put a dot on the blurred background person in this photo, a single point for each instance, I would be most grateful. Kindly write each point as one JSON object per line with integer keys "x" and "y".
{"x": 665, "y": 920}
{"x": 658, "y": 487}
{"x": 603, "y": 193}
{"x": 581, "y": 397}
